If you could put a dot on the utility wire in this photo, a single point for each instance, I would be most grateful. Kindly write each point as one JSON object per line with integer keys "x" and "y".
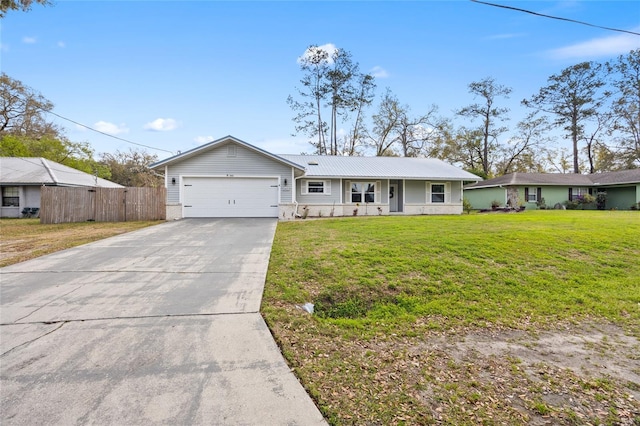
{"x": 107, "y": 134}
{"x": 554, "y": 17}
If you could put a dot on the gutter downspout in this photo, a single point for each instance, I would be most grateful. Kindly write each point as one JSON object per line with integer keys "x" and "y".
{"x": 294, "y": 189}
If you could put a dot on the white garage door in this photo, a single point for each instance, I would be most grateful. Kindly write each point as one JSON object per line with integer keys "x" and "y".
{"x": 230, "y": 197}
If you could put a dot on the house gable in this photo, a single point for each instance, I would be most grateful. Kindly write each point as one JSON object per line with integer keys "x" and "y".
{"x": 229, "y": 159}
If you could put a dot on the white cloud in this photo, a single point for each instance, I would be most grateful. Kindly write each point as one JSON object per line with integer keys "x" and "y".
{"x": 61, "y": 44}
{"x": 379, "y": 72}
{"x": 503, "y": 36}
{"x": 203, "y": 139}
{"x": 29, "y": 40}
{"x": 162, "y": 125}
{"x": 330, "y": 48}
{"x": 598, "y": 47}
{"x": 4, "y": 47}
{"x": 110, "y": 128}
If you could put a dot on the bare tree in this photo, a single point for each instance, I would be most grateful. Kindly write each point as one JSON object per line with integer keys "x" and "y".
{"x": 365, "y": 88}
{"x": 331, "y": 78}
{"x": 592, "y": 139}
{"x": 626, "y": 106}
{"x": 22, "y": 110}
{"x": 339, "y": 79}
{"x": 395, "y": 131}
{"x": 385, "y": 122}
{"x": 559, "y": 160}
{"x": 490, "y": 115}
{"x": 417, "y": 133}
{"x": 314, "y": 91}
{"x": 524, "y": 150}
{"x": 574, "y": 96}
{"x": 131, "y": 168}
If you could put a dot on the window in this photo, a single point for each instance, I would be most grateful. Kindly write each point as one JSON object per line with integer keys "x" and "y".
{"x": 316, "y": 187}
{"x": 439, "y": 192}
{"x": 10, "y": 196}
{"x": 577, "y": 193}
{"x": 533, "y": 195}
{"x": 363, "y": 192}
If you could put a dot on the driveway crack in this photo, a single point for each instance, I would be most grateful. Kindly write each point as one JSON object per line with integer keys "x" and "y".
{"x": 49, "y": 302}
{"x": 64, "y": 321}
{"x": 33, "y": 340}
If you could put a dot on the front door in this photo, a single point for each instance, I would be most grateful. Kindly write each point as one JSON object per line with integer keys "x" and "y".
{"x": 393, "y": 197}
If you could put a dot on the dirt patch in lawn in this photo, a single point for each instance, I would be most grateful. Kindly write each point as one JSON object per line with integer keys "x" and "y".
{"x": 577, "y": 374}
{"x": 592, "y": 350}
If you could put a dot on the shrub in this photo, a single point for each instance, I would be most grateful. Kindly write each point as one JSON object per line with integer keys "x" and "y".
{"x": 466, "y": 206}
{"x": 571, "y": 205}
{"x": 585, "y": 199}
{"x": 541, "y": 203}
{"x": 601, "y": 200}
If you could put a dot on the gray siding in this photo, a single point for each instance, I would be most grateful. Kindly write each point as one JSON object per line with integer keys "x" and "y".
{"x": 456, "y": 192}
{"x": 217, "y": 162}
{"x": 332, "y": 198}
{"x": 31, "y": 196}
{"x": 415, "y": 192}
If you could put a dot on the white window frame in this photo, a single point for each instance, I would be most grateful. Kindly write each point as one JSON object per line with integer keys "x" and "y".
{"x": 447, "y": 192}
{"x": 364, "y": 185}
{"x": 577, "y": 192}
{"x": 326, "y": 187}
{"x": 532, "y": 194}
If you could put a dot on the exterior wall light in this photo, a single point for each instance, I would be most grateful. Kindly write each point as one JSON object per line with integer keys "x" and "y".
{"x": 173, "y": 181}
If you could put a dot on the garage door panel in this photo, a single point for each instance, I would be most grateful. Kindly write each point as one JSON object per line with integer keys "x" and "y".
{"x": 230, "y": 197}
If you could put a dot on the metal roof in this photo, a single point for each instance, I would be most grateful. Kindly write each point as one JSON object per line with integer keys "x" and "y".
{"x": 561, "y": 179}
{"x": 40, "y": 171}
{"x": 218, "y": 142}
{"x": 378, "y": 167}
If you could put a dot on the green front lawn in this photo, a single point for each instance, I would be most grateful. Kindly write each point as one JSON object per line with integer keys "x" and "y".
{"x": 385, "y": 287}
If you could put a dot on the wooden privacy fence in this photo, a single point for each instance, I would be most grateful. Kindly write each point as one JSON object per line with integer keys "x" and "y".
{"x": 61, "y": 204}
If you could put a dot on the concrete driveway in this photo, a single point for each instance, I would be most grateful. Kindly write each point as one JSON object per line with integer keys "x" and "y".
{"x": 157, "y": 326}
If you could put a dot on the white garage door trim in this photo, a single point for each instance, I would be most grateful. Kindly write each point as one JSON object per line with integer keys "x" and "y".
{"x": 229, "y": 196}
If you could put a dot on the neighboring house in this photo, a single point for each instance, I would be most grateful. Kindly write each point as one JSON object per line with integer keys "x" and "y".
{"x": 22, "y": 177}
{"x": 231, "y": 178}
{"x": 622, "y": 189}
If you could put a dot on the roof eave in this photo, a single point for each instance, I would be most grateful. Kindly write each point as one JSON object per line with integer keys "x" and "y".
{"x": 212, "y": 144}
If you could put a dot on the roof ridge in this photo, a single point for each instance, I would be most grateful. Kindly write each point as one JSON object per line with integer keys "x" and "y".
{"x": 514, "y": 178}
{"x": 48, "y": 169}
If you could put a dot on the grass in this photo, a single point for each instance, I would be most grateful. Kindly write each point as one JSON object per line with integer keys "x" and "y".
{"x": 386, "y": 288}
{"x": 24, "y": 239}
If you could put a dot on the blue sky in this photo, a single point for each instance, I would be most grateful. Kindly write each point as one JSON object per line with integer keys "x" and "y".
{"x": 175, "y": 74}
